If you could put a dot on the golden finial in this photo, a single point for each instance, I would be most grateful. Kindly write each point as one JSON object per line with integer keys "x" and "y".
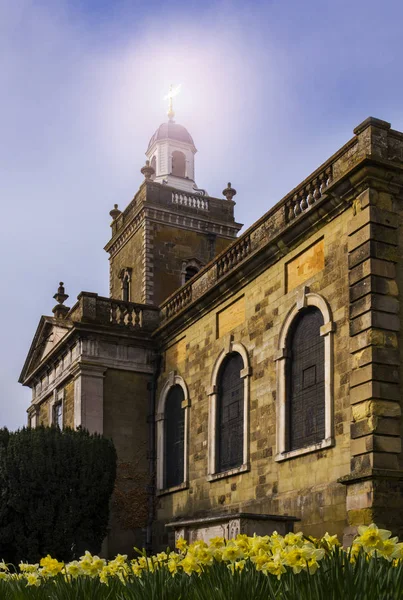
{"x": 173, "y": 91}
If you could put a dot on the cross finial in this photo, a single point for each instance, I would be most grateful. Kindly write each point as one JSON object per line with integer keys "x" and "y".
{"x": 173, "y": 91}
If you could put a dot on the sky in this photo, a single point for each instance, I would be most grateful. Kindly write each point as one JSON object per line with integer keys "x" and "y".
{"x": 270, "y": 89}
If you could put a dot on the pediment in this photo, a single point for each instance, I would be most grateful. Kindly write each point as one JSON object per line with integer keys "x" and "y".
{"x": 49, "y": 333}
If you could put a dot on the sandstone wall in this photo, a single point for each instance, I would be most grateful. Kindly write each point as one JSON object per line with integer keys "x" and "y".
{"x": 306, "y": 486}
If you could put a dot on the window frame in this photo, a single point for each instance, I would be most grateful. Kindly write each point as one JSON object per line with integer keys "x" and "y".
{"x": 305, "y": 299}
{"x": 173, "y": 380}
{"x": 190, "y": 262}
{"x": 125, "y": 277}
{"x": 55, "y": 410}
{"x": 58, "y": 399}
{"x": 246, "y": 372}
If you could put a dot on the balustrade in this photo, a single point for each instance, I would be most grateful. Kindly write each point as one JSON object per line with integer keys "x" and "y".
{"x": 125, "y": 314}
{"x": 233, "y": 256}
{"x": 109, "y": 311}
{"x": 190, "y": 200}
{"x": 183, "y": 298}
{"x": 308, "y": 194}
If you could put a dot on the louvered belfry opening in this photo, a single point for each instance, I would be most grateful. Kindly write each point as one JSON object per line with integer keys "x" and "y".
{"x": 125, "y": 293}
{"x": 230, "y": 418}
{"x": 190, "y": 272}
{"x": 305, "y": 380}
{"x": 174, "y": 436}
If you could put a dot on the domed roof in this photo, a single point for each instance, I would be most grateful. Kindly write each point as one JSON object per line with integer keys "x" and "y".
{"x": 172, "y": 131}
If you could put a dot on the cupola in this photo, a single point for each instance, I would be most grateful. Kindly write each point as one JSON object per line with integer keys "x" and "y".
{"x": 171, "y": 152}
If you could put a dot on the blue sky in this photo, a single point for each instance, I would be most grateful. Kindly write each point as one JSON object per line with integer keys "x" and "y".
{"x": 270, "y": 89}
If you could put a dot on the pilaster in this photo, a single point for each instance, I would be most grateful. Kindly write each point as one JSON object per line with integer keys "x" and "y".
{"x": 89, "y": 397}
{"x": 375, "y": 485}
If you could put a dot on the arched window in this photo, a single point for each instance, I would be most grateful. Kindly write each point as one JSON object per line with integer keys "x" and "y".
{"x": 178, "y": 164}
{"x": 230, "y": 409}
{"x": 154, "y": 166}
{"x": 228, "y": 449}
{"x": 190, "y": 267}
{"x": 304, "y": 404}
{"x": 126, "y": 288}
{"x": 125, "y": 276}
{"x": 174, "y": 436}
{"x": 190, "y": 272}
{"x": 305, "y": 380}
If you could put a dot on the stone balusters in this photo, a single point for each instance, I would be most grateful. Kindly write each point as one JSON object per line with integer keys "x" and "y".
{"x": 307, "y": 195}
{"x": 125, "y": 314}
{"x": 233, "y": 256}
{"x": 190, "y": 200}
{"x": 182, "y": 299}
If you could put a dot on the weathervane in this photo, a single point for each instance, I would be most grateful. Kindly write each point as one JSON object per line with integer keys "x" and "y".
{"x": 173, "y": 91}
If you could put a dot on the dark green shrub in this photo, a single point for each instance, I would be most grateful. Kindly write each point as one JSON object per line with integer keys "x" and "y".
{"x": 55, "y": 488}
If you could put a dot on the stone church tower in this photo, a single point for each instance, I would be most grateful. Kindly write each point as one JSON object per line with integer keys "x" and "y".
{"x": 251, "y": 383}
{"x": 171, "y": 229}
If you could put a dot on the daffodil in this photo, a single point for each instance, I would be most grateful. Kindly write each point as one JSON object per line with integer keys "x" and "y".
{"x": 33, "y": 579}
{"x": 371, "y": 537}
{"x": 74, "y": 569}
{"x": 181, "y": 544}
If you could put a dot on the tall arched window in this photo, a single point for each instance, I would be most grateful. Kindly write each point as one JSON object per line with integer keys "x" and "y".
{"x": 304, "y": 404}
{"x": 174, "y": 438}
{"x": 305, "y": 380}
{"x": 125, "y": 276}
{"x": 178, "y": 164}
{"x": 230, "y": 414}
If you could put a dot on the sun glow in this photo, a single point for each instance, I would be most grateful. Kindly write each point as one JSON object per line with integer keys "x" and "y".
{"x": 173, "y": 91}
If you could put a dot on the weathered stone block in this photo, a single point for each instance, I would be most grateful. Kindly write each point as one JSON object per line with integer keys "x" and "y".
{"x": 375, "y": 408}
{"x": 374, "y": 389}
{"x": 379, "y": 425}
{"x": 374, "y": 302}
{"x": 374, "y": 284}
{"x": 376, "y": 319}
{"x": 374, "y": 460}
{"x": 372, "y": 231}
{"x": 375, "y": 443}
{"x": 386, "y": 356}
{"x": 372, "y": 266}
{"x": 376, "y": 372}
{"x": 373, "y": 249}
{"x": 372, "y": 214}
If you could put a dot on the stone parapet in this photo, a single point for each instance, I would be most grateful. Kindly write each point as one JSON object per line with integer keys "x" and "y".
{"x": 91, "y": 308}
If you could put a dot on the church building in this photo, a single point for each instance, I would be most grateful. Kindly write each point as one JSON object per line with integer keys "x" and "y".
{"x": 250, "y": 382}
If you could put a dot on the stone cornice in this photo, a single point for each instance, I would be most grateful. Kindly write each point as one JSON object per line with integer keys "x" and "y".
{"x": 218, "y": 215}
{"x": 167, "y": 216}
